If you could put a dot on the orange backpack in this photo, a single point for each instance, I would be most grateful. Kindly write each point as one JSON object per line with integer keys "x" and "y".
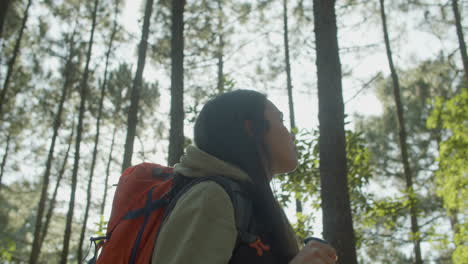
{"x": 145, "y": 195}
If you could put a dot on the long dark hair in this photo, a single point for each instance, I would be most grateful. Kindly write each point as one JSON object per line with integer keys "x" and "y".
{"x": 220, "y": 131}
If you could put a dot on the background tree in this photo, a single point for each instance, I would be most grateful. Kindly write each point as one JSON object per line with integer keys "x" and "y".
{"x": 79, "y": 130}
{"x": 3, "y": 11}
{"x": 451, "y": 115}
{"x": 98, "y": 131}
{"x": 135, "y": 97}
{"x": 461, "y": 38}
{"x": 12, "y": 61}
{"x": 4, "y": 158}
{"x": 68, "y": 75}
{"x": 176, "y": 138}
{"x": 403, "y": 143}
{"x": 385, "y": 223}
{"x": 289, "y": 86}
{"x": 53, "y": 199}
{"x": 337, "y": 220}
{"x": 220, "y": 53}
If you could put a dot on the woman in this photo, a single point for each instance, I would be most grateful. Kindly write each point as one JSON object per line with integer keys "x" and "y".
{"x": 241, "y": 136}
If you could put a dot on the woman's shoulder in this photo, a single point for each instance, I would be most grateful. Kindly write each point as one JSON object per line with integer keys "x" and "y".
{"x": 202, "y": 219}
{"x": 205, "y": 194}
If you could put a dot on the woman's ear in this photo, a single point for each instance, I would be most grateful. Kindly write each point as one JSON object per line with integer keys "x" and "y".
{"x": 248, "y": 128}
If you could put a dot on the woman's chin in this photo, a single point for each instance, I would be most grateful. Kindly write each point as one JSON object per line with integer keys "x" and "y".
{"x": 287, "y": 167}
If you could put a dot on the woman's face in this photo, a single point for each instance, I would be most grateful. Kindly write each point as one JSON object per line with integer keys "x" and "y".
{"x": 280, "y": 141}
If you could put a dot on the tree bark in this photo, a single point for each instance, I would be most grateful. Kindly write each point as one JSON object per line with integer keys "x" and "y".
{"x": 53, "y": 200}
{"x": 461, "y": 39}
{"x": 4, "y": 159}
{"x": 12, "y": 61}
{"x": 137, "y": 82}
{"x": 114, "y": 32}
{"x": 337, "y": 220}
{"x": 4, "y": 6}
{"x": 35, "y": 251}
{"x": 106, "y": 182}
{"x": 292, "y": 118}
{"x": 96, "y": 139}
{"x": 220, "y": 53}
{"x": 402, "y": 142}
{"x": 176, "y": 137}
{"x": 79, "y": 130}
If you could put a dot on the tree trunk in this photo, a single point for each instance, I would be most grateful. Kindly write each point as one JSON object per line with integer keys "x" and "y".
{"x": 96, "y": 140}
{"x": 4, "y": 6}
{"x": 220, "y": 53}
{"x": 292, "y": 118}
{"x": 402, "y": 142}
{"x": 337, "y": 220}
{"x": 176, "y": 137}
{"x": 106, "y": 182}
{"x": 4, "y": 159}
{"x": 137, "y": 82}
{"x": 114, "y": 31}
{"x": 79, "y": 130}
{"x": 461, "y": 39}
{"x": 35, "y": 251}
{"x": 53, "y": 200}
{"x": 12, "y": 61}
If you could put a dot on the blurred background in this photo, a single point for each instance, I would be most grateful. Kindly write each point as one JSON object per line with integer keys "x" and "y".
{"x": 90, "y": 87}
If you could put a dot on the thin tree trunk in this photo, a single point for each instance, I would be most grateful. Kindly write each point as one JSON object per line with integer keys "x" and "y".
{"x": 12, "y": 61}
{"x": 106, "y": 182}
{"x": 137, "y": 82}
{"x": 53, "y": 200}
{"x": 402, "y": 141}
{"x": 220, "y": 53}
{"x": 96, "y": 141}
{"x": 4, "y": 6}
{"x": 4, "y": 159}
{"x": 461, "y": 39}
{"x": 35, "y": 251}
{"x": 292, "y": 118}
{"x": 114, "y": 31}
{"x": 176, "y": 137}
{"x": 337, "y": 220}
{"x": 453, "y": 218}
{"x": 79, "y": 130}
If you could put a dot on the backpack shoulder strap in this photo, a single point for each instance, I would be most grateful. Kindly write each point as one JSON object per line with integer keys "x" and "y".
{"x": 243, "y": 208}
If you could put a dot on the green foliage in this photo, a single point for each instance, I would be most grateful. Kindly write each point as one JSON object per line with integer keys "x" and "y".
{"x": 452, "y": 174}
{"x": 303, "y": 226}
{"x": 388, "y": 214}
{"x": 101, "y": 227}
{"x": 7, "y": 247}
{"x": 358, "y": 159}
{"x": 304, "y": 182}
{"x": 385, "y": 212}
{"x": 460, "y": 255}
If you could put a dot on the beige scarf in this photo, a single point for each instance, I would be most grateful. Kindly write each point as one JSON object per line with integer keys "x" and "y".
{"x": 197, "y": 163}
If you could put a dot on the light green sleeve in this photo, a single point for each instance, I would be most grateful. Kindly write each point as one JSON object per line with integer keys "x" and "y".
{"x": 200, "y": 230}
